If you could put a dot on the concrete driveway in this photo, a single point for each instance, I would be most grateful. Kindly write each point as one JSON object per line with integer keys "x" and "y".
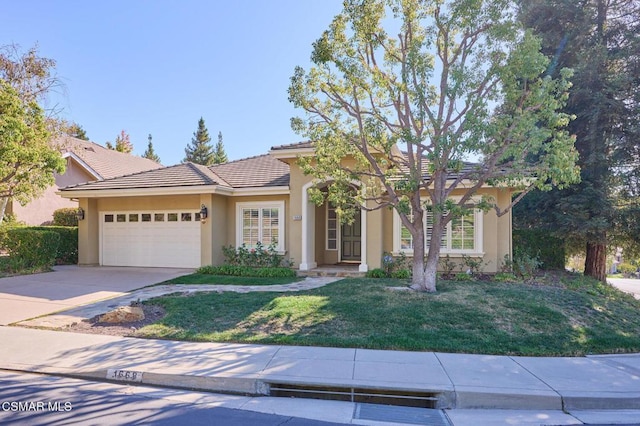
{"x": 29, "y": 296}
{"x": 630, "y": 285}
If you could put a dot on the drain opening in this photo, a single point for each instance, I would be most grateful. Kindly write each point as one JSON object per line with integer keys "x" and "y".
{"x": 369, "y": 396}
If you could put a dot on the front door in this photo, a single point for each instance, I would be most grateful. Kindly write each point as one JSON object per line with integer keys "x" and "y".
{"x": 352, "y": 240}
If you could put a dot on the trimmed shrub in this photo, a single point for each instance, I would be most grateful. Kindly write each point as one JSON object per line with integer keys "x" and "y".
{"x": 549, "y": 250}
{"x": 376, "y": 273}
{"x": 66, "y": 217}
{"x": 246, "y": 271}
{"x": 68, "y": 248}
{"x": 259, "y": 257}
{"x": 31, "y": 248}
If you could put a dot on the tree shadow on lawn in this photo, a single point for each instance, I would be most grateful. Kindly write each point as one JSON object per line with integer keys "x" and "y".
{"x": 473, "y": 317}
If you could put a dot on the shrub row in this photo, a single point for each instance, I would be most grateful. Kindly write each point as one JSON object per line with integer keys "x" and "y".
{"x": 67, "y": 216}
{"x": 549, "y": 250}
{"x": 31, "y": 248}
{"x": 246, "y": 271}
{"x": 68, "y": 248}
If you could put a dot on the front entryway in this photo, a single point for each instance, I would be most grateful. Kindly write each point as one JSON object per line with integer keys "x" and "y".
{"x": 351, "y": 237}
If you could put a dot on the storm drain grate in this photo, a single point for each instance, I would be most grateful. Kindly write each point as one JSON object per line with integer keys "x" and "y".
{"x": 407, "y": 415}
{"x": 370, "y": 396}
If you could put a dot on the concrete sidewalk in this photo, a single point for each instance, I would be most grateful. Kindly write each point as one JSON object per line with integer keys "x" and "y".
{"x": 459, "y": 383}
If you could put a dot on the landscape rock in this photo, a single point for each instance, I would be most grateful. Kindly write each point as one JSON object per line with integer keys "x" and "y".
{"x": 123, "y": 314}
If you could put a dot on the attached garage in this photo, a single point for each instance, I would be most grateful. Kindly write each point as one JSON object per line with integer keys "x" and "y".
{"x": 150, "y": 238}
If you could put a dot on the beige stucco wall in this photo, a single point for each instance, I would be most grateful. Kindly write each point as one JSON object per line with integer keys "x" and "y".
{"x": 496, "y": 231}
{"x": 40, "y": 210}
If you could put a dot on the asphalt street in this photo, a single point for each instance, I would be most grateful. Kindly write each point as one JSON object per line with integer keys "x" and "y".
{"x": 29, "y": 399}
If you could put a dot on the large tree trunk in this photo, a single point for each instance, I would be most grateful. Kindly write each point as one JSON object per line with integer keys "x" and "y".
{"x": 425, "y": 275}
{"x": 595, "y": 264}
{"x": 3, "y": 207}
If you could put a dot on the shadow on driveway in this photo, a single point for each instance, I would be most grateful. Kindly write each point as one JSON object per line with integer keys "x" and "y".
{"x": 28, "y": 296}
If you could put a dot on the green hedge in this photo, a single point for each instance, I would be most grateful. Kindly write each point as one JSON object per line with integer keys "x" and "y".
{"x": 31, "y": 248}
{"x": 66, "y": 216}
{"x": 246, "y": 271}
{"x": 68, "y": 248}
{"x": 549, "y": 250}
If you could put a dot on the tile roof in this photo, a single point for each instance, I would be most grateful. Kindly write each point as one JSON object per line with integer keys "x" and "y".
{"x": 254, "y": 172}
{"x": 106, "y": 162}
{"x": 297, "y": 145}
{"x": 259, "y": 171}
{"x": 186, "y": 174}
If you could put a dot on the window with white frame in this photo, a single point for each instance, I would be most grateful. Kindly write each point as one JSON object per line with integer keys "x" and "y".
{"x": 260, "y": 222}
{"x": 332, "y": 227}
{"x": 462, "y": 234}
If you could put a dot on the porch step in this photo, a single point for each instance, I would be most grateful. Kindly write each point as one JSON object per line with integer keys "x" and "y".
{"x": 332, "y": 272}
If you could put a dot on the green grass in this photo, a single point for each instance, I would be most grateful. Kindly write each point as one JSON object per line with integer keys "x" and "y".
{"x": 231, "y": 280}
{"x": 574, "y": 316}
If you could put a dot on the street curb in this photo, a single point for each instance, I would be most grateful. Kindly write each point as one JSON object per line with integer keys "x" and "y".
{"x": 461, "y": 398}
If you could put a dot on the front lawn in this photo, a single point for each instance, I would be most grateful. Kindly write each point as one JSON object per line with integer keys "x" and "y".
{"x": 573, "y": 316}
{"x": 231, "y": 280}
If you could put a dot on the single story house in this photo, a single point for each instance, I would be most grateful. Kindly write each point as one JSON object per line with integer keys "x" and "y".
{"x": 182, "y": 216}
{"x": 86, "y": 161}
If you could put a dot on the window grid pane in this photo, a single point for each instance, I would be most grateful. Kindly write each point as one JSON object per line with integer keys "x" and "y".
{"x": 332, "y": 228}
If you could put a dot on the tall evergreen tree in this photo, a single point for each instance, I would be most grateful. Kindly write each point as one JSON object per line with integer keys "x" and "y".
{"x": 599, "y": 40}
{"x": 74, "y": 130}
{"x": 200, "y": 150}
{"x": 150, "y": 153}
{"x": 219, "y": 155}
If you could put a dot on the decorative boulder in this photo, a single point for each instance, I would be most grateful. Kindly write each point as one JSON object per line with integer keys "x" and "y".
{"x": 123, "y": 314}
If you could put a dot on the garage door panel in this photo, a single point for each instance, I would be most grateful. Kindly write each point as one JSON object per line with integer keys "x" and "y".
{"x": 160, "y": 243}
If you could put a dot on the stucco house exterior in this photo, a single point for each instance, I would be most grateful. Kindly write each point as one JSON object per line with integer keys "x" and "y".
{"x": 157, "y": 218}
{"x": 86, "y": 161}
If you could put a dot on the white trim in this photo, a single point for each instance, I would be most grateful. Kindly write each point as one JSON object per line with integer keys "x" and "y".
{"x": 478, "y": 235}
{"x": 337, "y": 229}
{"x": 291, "y": 153}
{"x": 262, "y": 205}
{"x": 307, "y": 261}
{"x": 363, "y": 241}
{"x": 82, "y": 163}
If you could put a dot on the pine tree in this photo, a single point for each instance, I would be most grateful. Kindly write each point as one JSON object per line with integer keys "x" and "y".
{"x": 150, "y": 153}
{"x": 200, "y": 151}
{"x": 75, "y": 130}
{"x": 219, "y": 155}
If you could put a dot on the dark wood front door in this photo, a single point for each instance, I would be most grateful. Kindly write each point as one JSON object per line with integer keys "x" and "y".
{"x": 352, "y": 240}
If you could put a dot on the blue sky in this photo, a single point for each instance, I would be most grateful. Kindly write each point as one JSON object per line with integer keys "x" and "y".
{"x": 158, "y": 66}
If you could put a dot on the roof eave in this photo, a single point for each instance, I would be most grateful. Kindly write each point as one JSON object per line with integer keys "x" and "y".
{"x": 174, "y": 190}
{"x": 282, "y": 154}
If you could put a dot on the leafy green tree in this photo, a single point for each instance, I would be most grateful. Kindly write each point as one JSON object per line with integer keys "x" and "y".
{"x": 27, "y": 159}
{"x": 219, "y": 154}
{"x": 150, "y": 153}
{"x": 200, "y": 151}
{"x": 449, "y": 80}
{"x": 600, "y": 40}
{"x": 122, "y": 143}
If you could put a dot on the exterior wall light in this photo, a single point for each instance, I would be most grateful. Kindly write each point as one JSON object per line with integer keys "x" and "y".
{"x": 203, "y": 213}
{"x": 80, "y": 213}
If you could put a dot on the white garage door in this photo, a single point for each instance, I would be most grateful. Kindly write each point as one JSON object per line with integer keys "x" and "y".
{"x": 150, "y": 238}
